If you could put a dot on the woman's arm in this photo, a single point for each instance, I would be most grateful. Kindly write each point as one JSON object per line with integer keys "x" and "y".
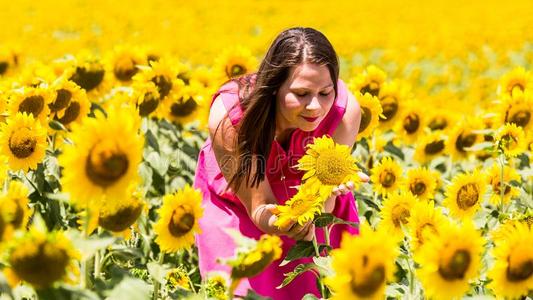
{"x": 258, "y": 201}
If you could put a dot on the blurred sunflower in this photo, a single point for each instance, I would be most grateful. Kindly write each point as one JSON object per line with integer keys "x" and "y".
{"x": 370, "y": 81}
{"x": 370, "y": 112}
{"x": 205, "y": 77}
{"x": 216, "y": 287}
{"x": 450, "y": 261}
{"x": 253, "y": 261}
{"x": 234, "y": 62}
{"x": 41, "y": 258}
{"x": 421, "y": 183}
{"x": 123, "y": 63}
{"x": 363, "y": 264}
{"x": 117, "y": 215}
{"x": 301, "y": 208}
{"x": 395, "y": 213}
{"x": 463, "y": 136}
{"x": 14, "y": 205}
{"x": 512, "y": 272}
{"x": 429, "y": 146}
{"x": 465, "y": 194}
{"x": 440, "y": 118}
{"x": 411, "y": 122}
{"x": 178, "y": 219}
{"x": 391, "y": 97}
{"x": 23, "y": 142}
{"x": 104, "y": 157}
{"x": 9, "y": 59}
{"x": 515, "y": 82}
{"x": 70, "y": 103}
{"x": 511, "y": 140}
{"x": 508, "y": 227}
{"x": 186, "y": 105}
{"x": 87, "y": 72}
{"x": 177, "y": 278}
{"x": 33, "y": 101}
{"x": 494, "y": 180}
{"x": 386, "y": 176}
{"x": 518, "y": 110}
{"x": 327, "y": 165}
{"x": 425, "y": 222}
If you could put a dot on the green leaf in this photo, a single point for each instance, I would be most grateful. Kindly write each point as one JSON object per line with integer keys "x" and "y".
{"x": 89, "y": 246}
{"x": 309, "y": 297}
{"x": 394, "y": 150}
{"x": 157, "y": 271}
{"x": 299, "y": 250}
{"x": 326, "y": 219}
{"x": 301, "y": 268}
{"x": 515, "y": 183}
{"x": 323, "y": 264}
{"x": 56, "y": 125}
{"x": 130, "y": 289}
{"x": 251, "y": 295}
{"x": 152, "y": 140}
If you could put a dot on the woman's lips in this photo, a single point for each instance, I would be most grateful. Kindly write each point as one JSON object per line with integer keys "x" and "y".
{"x": 310, "y": 119}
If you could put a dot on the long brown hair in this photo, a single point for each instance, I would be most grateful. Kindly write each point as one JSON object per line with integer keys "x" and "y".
{"x": 258, "y": 125}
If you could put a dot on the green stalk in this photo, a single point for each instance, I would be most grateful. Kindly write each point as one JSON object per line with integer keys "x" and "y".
{"x": 157, "y": 285}
{"x": 317, "y": 253}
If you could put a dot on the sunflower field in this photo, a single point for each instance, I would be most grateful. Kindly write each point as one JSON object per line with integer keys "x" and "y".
{"x": 104, "y": 108}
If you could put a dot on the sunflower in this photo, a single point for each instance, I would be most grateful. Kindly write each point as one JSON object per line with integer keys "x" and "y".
{"x": 117, "y": 215}
{"x": 216, "y": 287}
{"x": 370, "y": 112}
{"x": 509, "y": 191}
{"x": 440, "y": 118}
{"x": 327, "y": 165}
{"x": 391, "y": 97}
{"x": 235, "y": 62}
{"x": 518, "y": 110}
{"x": 363, "y": 264}
{"x": 512, "y": 273}
{"x": 186, "y": 105}
{"x": 23, "y": 142}
{"x": 14, "y": 205}
{"x": 104, "y": 157}
{"x": 450, "y": 261}
{"x": 370, "y": 81}
{"x": 253, "y": 261}
{"x": 70, "y": 103}
{"x": 430, "y": 145}
{"x": 161, "y": 76}
{"x": 425, "y": 222}
{"x": 4, "y": 168}
{"x": 511, "y": 139}
{"x": 508, "y": 227}
{"x": 33, "y": 101}
{"x": 87, "y": 72}
{"x": 123, "y": 63}
{"x": 411, "y": 122}
{"x": 395, "y": 212}
{"x": 8, "y": 60}
{"x": 465, "y": 193}
{"x": 515, "y": 82}
{"x": 386, "y": 176}
{"x": 462, "y": 137}
{"x": 421, "y": 183}
{"x": 177, "y": 278}
{"x": 178, "y": 219}
{"x": 301, "y": 208}
{"x": 41, "y": 258}
{"x": 204, "y": 77}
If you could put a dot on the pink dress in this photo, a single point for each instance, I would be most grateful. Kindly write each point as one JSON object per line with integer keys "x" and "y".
{"x": 224, "y": 209}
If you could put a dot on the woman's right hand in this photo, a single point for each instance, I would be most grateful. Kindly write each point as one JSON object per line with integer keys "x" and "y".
{"x": 265, "y": 216}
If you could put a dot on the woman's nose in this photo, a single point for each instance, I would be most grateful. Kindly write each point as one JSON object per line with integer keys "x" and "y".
{"x": 313, "y": 103}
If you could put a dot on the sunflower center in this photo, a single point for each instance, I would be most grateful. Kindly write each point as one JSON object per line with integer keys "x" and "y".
{"x": 464, "y": 141}
{"x": 456, "y": 267}
{"x": 387, "y": 179}
{"x": 105, "y": 165}
{"x": 21, "y": 143}
{"x": 17, "y": 216}
{"x": 369, "y": 285}
{"x": 148, "y": 105}
{"x": 71, "y": 113}
{"x": 88, "y": 79}
{"x": 121, "y": 219}
{"x": 32, "y": 105}
{"x": 42, "y": 266}
{"x": 438, "y": 123}
{"x": 508, "y": 141}
{"x": 3, "y": 67}
{"x": 366, "y": 117}
{"x": 518, "y": 87}
{"x": 411, "y": 123}
{"x": 164, "y": 85}
{"x": 390, "y": 108}
{"x": 520, "y": 118}
{"x": 417, "y": 187}
{"x": 424, "y": 231}
{"x": 399, "y": 215}
{"x": 372, "y": 88}
{"x": 235, "y": 70}
{"x": 62, "y": 100}
{"x": 125, "y": 68}
{"x": 521, "y": 271}
{"x": 496, "y": 187}
{"x": 184, "y": 76}
{"x": 434, "y": 147}
{"x": 467, "y": 196}
{"x": 181, "y": 222}
{"x": 183, "y": 108}
{"x": 331, "y": 169}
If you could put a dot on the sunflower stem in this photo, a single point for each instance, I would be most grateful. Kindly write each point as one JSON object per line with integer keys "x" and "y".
{"x": 326, "y": 235}
{"x": 97, "y": 261}
{"x": 157, "y": 285}
{"x": 320, "y": 282}
{"x": 501, "y": 160}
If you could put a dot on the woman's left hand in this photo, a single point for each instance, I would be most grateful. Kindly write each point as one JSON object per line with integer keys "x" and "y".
{"x": 343, "y": 189}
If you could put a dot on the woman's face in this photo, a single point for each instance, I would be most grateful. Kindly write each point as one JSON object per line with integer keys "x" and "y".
{"x": 305, "y": 98}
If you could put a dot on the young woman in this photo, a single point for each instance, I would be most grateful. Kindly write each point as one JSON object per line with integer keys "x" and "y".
{"x": 259, "y": 126}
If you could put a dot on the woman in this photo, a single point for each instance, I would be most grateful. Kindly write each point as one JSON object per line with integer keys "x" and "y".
{"x": 259, "y": 126}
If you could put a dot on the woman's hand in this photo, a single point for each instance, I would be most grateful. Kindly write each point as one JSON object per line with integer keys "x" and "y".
{"x": 343, "y": 189}
{"x": 265, "y": 216}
